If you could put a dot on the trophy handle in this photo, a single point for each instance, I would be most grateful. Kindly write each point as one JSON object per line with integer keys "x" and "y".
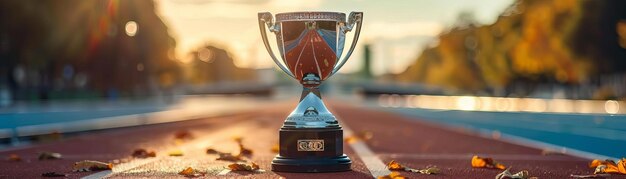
{"x": 265, "y": 19}
{"x": 355, "y": 18}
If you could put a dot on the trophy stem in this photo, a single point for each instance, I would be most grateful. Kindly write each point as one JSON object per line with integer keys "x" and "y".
{"x": 311, "y": 139}
{"x": 307, "y": 90}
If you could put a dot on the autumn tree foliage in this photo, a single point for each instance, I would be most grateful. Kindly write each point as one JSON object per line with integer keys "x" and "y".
{"x": 533, "y": 41}
{"x": 43, "y": 39}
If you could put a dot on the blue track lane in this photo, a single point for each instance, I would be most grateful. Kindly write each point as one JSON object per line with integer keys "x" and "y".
{"x": 599, "y": 134}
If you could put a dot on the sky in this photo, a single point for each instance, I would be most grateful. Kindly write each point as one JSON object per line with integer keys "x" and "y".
{"x": 396, "y": 30}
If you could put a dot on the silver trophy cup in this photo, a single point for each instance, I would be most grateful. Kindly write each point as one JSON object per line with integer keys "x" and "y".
{"x": 310, "y": 46}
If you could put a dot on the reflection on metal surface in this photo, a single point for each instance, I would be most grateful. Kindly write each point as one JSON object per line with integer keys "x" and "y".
{"x": 504, "y": 104}
{"x": 310, "y": 45}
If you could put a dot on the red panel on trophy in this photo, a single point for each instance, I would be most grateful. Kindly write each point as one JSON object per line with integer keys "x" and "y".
{"x": 312, "y": 50}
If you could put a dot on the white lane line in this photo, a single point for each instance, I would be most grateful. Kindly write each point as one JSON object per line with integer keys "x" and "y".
{"x": 224, "y": 172}
{"x": 319, "y": 72}
{"x": 121, "y": 168}
{"x": 98, "y": 175}
{"x": 295, "y": 68}
{"x": 207, "y": 140}
{"x": 372, "y": 162}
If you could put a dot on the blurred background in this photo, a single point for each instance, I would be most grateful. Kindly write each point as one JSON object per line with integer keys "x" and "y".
{"x": 76, "y": 60}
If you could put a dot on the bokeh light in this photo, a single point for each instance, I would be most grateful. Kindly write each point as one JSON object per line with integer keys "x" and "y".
{"x": 131, "y": 28}
{"x": 205, "y": 55}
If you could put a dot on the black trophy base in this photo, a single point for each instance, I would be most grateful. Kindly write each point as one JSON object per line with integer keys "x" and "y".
{"x": 311, "y": 150}
{"x": 338, "y": 164}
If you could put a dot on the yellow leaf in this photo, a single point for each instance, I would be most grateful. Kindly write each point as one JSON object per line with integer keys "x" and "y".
{"x": 393, "y": 165}
{"x": 595, "y": 163}
{"x": 275, "y": 148}
{"x": 478, "y": 162}
{"x": 243, "y": 167}
{"x": 621, "y": 166}
{"x": 190, "y": 172}
{"x": 175, "y": 153}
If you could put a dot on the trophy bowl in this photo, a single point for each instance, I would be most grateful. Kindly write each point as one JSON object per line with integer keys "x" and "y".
{"x": 310, "y": 45}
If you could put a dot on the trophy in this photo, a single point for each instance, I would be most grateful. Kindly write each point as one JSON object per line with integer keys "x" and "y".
{"x": 310, "y": 45}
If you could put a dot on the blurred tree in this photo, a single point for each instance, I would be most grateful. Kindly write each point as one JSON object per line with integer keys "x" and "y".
{"x": 73, "y": 44}
{"x": 211, "y": 65}
{"x": 533, "y": 41}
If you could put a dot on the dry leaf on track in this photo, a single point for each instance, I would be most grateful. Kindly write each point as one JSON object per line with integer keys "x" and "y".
{"x": 608, "y": 166}
{"x": 190, "y": 172}
{"x": 183, "y": 135}
{"x": 275, "y": 148}
{"x": 393, "y": 165}
{"x": 478, "y": 162}
{"x": 49, "y": 156}
{"x": 90, "y": 165}
{"x": 175, "y": 153}
{"x": 14, "y": 158}
{"x": 243, "y": 167}
{"x": 360, "y": 136}
{"x": 519, "y": 175}
{"x": 143, "y": 153}
{"x": 53, "y": 174}
{"x": 230, "y": 157}
{"x": 242, "y": 150}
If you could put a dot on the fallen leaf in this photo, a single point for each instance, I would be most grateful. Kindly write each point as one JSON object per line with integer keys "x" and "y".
{"x": 175, "y": 153}
{"x": 478, "y": 162}
{"x": 242, "y": 150}
{"x": 275, "y": 148}
{"x": 230, "y": 157}
{"x": 49, "y": 156}
{"x": 428, "y": 171}
{"x": 609, "y": 166}
{"x": 351, "y": 139}
{"x": 243, "y": 167}
{"x": 212, "y": 151}
{"x": 237, "y": 139}
{"x": 143, "y": 153}
{"x": 183, "y": 135}
{"x": 596, "y": 162}
{"x": 90, "y": 165}
{"x": 187, "y": 171}
{"x": 621, "y": 166}
{"x": 53, "y": 174}
{"x": 254, "y": 166}
{"x": 507, "y": 174}
{"x": 360, "y": 136}
{"x": 393, "y": 175}
{"x": 393, "y": 165}
{"x": 190, "y": 172}
{"x": 14, "y": 158}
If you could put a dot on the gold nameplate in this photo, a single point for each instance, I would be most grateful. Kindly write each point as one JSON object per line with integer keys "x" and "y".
{"x": 311, "y": 145}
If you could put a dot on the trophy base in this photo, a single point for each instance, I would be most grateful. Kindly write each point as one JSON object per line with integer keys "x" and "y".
{"x": 311, "y": 150}
{"x": 314, "y": 165}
